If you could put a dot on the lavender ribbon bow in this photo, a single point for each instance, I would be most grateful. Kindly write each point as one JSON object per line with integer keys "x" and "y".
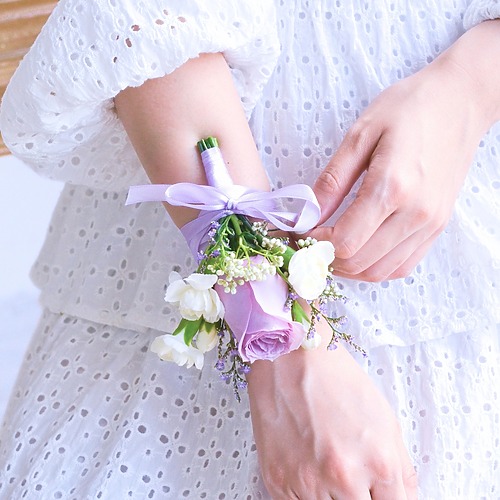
{"x": 217, "y": 202}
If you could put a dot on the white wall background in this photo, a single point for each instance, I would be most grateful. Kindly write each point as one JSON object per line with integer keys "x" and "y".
{"x": 26, "y": 203}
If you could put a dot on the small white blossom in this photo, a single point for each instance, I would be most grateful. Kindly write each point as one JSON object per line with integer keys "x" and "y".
{"x": 308, "y": 269}
{"x": 307, "y": 242}
{"x": 274, "y": 244}
{"x": 260, "y": 227}
{"x": 195, "y": 296}
{"x": 311, "y": 342}
{"x": 206, "y": 338}
{"x": 173, "y": 348}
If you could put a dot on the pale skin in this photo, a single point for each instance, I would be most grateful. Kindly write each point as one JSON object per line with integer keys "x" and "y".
{"x": 416, "y": 142}
{"x": 321, "y": 427}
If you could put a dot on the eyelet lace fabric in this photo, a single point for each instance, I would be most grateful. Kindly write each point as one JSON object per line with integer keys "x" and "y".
{"x": 118, "y": 424}
{"x": 305, "y": 71}
{"x": 95, "y": 415}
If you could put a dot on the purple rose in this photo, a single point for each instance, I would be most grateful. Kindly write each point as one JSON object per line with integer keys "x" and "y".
{"x": 257, "y": 317}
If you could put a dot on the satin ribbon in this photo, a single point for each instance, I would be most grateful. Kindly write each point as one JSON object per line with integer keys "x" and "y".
{"x": 217, "y": 202}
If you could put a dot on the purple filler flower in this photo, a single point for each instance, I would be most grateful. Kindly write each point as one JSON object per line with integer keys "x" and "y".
{"x": 244, "y": 369}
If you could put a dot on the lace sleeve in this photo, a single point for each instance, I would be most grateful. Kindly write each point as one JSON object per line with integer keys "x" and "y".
{"x": 481, "y": 10}
{"x": 58, "y": 114}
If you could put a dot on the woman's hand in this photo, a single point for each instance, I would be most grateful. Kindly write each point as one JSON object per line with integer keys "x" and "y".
{"x": 415, "y": 142}
{"x": 324, "y": 431}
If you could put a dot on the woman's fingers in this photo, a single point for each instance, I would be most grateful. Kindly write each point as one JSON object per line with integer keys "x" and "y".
{"x": 395, "y": 483}
{"x": 387, "y": 201}
{"x": 389, "y": 491}
{"x": 409, "y": 474}
{"x": 391, "y": 246}
{"x": 346, "y": 166}
{"x": 397, "y": 263}
{"x": 382, "y": 243}
{"x": 375, "y": 244}
{"x": 320, "y": 439}
{"x": 384, "y": 230}
{"x": 350, "y": 495}
{"x": 414, "y": 258}
{"x": 415, "y": 144}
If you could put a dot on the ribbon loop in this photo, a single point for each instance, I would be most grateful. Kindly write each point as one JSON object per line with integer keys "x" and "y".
{"x": 217, "y": 202}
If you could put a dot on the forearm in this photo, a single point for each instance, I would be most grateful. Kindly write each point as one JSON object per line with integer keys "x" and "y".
{"x": 475, "y": 56}
{"x": 166, "y": 117}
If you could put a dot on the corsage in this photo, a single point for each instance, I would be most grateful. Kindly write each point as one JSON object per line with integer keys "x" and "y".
{"x": 245, "y": 296}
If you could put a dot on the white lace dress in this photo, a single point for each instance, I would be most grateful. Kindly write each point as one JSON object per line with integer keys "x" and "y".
{"x": 94, "y": 414}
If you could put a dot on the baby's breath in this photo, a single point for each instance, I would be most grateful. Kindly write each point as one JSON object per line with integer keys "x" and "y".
{"x": 307, "y": 242}
{"x": 238, "y": 252}
{"x": 232, "y": 243}
{"x": 260, "y": 227}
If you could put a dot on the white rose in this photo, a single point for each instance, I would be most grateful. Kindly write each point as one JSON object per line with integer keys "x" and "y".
{"x": 195, "y": 296}
{"x": 206, "y": 338}
{"x": 308, "y": 269}
{"x": 173, "y": 348}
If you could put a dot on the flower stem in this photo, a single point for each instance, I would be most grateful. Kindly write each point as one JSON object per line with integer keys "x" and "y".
{"x": 235, "y": 221}
{"x": 209, "y": 142}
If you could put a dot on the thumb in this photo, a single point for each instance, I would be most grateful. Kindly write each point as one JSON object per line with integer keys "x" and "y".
{"x": 343, "y": 170}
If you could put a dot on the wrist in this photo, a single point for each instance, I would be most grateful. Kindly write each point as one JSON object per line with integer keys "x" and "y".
{"x": 295, "y": 369}
{"x": 470, "y": 60}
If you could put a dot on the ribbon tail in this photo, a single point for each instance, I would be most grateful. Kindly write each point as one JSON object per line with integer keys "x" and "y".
{"x": 147, "y": 192}
{"x": 196, "y": 231}
{"x": 300, "y": 222}
{"x": 308, "y": 217}
{"x": 268, "y": 206}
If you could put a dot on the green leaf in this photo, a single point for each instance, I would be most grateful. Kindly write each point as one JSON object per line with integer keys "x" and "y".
{"x": 192, "y": 328}
{"x": 189, "y": 329}
{"x": 287, "y": 256}
{"x": 299, "y": 315}
{"x": 180, "y": 327}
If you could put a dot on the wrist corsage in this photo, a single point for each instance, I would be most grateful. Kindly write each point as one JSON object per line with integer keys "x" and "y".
{"x": 253, "y": 297}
